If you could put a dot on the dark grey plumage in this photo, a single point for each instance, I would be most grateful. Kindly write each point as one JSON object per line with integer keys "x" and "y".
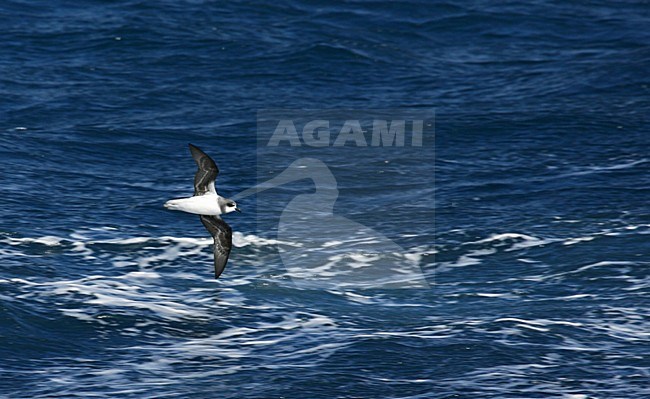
{"x": 207, "y": 173}
{"x": 222, "y": 235}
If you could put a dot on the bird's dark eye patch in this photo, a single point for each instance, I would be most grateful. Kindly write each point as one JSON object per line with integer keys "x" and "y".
{"x": 231, "y": 204}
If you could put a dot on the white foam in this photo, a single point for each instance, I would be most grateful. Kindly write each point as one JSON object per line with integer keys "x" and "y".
{"x": 624, "y": 165}
{"x": 332, "y": 243}
{"x": 301, "y": 338}
{"x": 539, "y": 322}
{"x": 494, "y": 295}
{"x": 133, "y": 290}
{"x": 81, "y": 239}
{"x": 241, "y": 240}
{"x": 598, "y": 169}
{"x": 45, "y": 240}
{"x": 470, "y": 259}
{"x": 525, "y": 241}
{"x": 144, "y": 275}
{"x": 354, "y": 297}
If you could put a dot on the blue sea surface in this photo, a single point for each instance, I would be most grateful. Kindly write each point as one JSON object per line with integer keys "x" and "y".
{"x": 528, "y": 211}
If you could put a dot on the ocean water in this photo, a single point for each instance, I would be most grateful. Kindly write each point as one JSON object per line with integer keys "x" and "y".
{"x": 526, "y": 213}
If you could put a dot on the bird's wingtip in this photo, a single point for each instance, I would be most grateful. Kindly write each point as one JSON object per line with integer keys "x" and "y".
{"x": 194, "y": 149}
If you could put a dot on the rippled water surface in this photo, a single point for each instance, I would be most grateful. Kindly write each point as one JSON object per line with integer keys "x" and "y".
{"x": 527, "y": 213}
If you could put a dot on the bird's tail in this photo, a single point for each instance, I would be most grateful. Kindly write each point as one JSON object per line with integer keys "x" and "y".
{"x": 171, "y": 205}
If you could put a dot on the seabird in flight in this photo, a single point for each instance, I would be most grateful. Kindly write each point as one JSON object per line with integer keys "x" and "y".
{"x": 209, "y": 205}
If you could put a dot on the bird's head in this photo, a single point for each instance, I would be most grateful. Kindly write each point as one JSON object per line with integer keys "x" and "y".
{"x": 228, "y": 205}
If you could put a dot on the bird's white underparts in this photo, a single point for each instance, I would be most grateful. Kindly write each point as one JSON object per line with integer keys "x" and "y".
{"x": 207, "y": 204}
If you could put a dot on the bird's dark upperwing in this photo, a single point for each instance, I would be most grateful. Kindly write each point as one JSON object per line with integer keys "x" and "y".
{"x": 207, "y": 173}
{"x": 222, "y": 235}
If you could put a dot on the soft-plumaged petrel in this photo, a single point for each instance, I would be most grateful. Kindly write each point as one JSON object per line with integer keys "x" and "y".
{"x": 207, "y": 203}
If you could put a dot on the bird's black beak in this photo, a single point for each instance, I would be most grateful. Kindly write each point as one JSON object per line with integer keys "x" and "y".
{"x": 238, "y": 210}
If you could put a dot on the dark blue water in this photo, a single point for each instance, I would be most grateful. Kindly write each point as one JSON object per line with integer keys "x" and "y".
{"x": 527, "y": 213}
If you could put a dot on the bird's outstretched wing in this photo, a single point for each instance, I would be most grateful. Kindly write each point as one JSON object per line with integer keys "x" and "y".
{"x": 207, "y": 173}
{"x": 222, "y": 235}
